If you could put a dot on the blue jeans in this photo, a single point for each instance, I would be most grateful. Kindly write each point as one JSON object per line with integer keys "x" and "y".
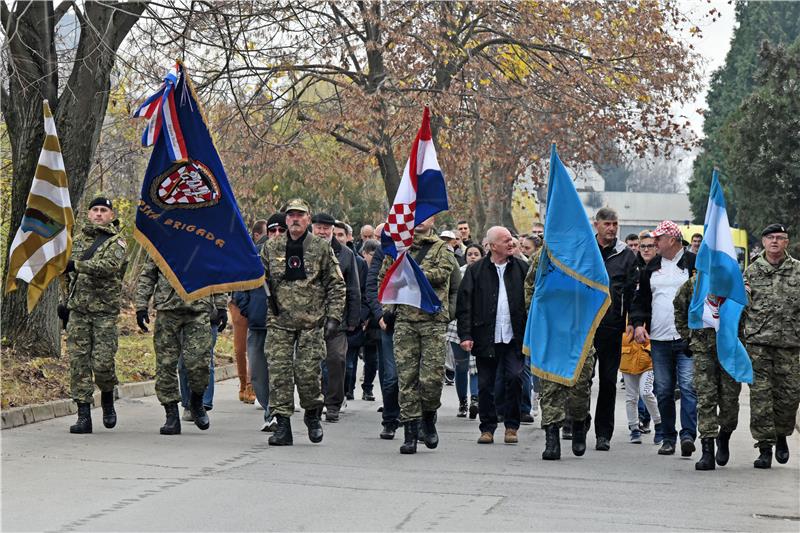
{"x": 672, "y": 365}
{"x": 461, "y": 359}
{"x": 387, "y": 373}
{"x": 259, "y": 371}
{"x": 183, "y": 378}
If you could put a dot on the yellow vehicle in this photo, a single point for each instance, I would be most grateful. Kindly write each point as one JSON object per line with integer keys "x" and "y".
{"x": 739, "y": 241}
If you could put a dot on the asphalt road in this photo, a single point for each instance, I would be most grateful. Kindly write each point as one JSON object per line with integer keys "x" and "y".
{"x": 228, "y": 479}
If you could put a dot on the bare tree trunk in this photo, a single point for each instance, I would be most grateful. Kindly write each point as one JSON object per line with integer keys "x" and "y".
{"x": 79, "y": 112}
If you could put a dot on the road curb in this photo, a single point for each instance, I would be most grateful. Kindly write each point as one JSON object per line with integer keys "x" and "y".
{"x": 28, "y": 414}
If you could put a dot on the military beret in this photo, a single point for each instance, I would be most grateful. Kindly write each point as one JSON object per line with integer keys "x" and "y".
{"x": 277, "y": 220}
{"x": 774, "y": 228}
{"x": 323, "y": 218}
{"x": 296, "y": 204}
{"x": 100, "y": 200}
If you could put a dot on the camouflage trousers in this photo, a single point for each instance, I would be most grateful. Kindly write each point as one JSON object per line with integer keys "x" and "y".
{"x": 717, "y": 396}
{"x": 557, "y": 399}
{"x": 181, "y": 333}
{"x": 419, "y": 351}
{"x": 775, "y": 392}
{"x": 91, "y": 345}
{"x": 294, "y": 358}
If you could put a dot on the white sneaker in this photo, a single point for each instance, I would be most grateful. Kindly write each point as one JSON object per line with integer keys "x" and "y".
{"x": 187, "y": 415}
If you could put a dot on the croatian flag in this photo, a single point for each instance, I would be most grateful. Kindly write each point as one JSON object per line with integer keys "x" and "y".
{"x": 422, "y": 194}
{"x": 161, "y": 112}
{"x": 719, "y": 296}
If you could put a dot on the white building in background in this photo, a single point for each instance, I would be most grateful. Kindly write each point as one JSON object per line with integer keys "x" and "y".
{"x": 639, "y": 210}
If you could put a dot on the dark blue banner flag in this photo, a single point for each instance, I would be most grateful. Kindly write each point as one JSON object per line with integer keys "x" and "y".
{"x": 187, "y": 218}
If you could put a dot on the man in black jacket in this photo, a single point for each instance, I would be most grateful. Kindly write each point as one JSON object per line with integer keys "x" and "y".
{"x": 336, "y": 347}
{"x": 491, "y": 324}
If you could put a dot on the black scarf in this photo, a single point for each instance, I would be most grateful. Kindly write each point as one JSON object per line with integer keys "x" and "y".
{"x": 295, "y": 264}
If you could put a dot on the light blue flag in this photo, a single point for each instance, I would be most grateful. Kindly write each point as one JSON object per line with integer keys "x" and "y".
{"x": 571, "y": 291}
{"x": 719, "y": 296}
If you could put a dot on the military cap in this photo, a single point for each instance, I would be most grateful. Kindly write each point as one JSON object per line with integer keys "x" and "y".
{"x": 278, "y": 220}
{"x": 323, "y": 218}
{"x": 296, "y": 204}
{"x": 100, "y": 200}
{"x": 774, "y": 228}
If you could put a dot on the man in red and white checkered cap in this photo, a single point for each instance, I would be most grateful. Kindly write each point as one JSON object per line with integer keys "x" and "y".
{"x": 653, "y": 316}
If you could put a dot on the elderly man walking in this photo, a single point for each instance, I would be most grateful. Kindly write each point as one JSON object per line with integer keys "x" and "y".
{"x": 491, "y": 317}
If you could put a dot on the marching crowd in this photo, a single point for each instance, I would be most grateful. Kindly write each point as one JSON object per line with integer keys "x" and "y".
{"x": 319, "y": 314}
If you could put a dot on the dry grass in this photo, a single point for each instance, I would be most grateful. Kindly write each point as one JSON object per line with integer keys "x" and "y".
{"x": 42, "y": 379}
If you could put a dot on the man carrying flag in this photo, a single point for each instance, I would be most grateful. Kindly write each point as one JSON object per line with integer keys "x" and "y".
{"x": 567, "y": 288}
{"x": 415, "y": 281}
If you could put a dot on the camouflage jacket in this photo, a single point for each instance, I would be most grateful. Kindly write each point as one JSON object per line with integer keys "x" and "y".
{"x": 153, "y": 283}
{"x": 303, "y": 304}
{"x": 700, "y": 340}
{"x": 438, "y": 266}
{"x": 771, "y": 316}
{"x": 96, "y": 284}
{"x": 530, "y": 278}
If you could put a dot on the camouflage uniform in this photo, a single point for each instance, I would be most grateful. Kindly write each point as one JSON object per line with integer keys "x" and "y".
{"x": 94, "y": 301}
{"x": 296, "y": 346}
{"x": 419, "y": 345}
{"x": 181, "y": 328}
{"x": 561, "y": 402}
{"x": 772, "y": 336}
{"x": 717, "y": 391}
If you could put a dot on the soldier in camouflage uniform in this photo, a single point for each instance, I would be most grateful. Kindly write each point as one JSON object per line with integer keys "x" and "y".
{"x": 772, "y": 337}
{"x": 181, "y": 328}
{"x": 419, "y": 345}
{"x": 556, "y": 398}
{"x": 94, "y": 285}
{"x": 308, "y": 294}
{"x": 717, "y": 391}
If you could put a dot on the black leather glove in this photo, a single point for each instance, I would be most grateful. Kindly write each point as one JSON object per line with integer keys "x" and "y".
{"x": 141, "y": 318}
{"x": 70, "y": 267}
{"x": 220, "y": 319}
{"x": 63, "y": 314}
{"x": 388, "y": 319}
{"x": 331, "y": 328}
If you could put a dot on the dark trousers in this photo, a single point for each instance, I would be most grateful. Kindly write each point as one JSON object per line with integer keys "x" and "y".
{"x": 370, "y": 355}
{"x": 508, "y": 358}
{"x": 334, "y": 371}
{"x": 387, "y": 373}
{"x": 608, "y": 349}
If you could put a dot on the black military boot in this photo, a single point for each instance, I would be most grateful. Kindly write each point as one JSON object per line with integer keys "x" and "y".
{"x": 109, "y": 414}
{"x": 312, "y": 420}
{"x": 782, "y": 450}
{"x": 410, "y": 431}
{"x": 283, "y": 434}
{"x": 765, "y": 458}
{"x": 706, "y": 461}
{"x": 723, "y": 451}
{"x": 84, "y": 423}
{"x": 198, "y": 411}
{"x": 578, "y": 438}
{"x": 173, "y": 423}
{"x": 552, "y": 446}
{"x": 431, "y": 438}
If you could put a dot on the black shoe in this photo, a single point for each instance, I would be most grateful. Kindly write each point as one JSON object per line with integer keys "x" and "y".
{"x": 677, "y": 394}
{"x": 388, "y": 431}
{"x": 644, "y": 427}
{"x": 349, "y": 396}
{"x": 687, "y": 447}
{"x": 723, "y": 452}
{"x": 578, "y": 438}
{"x": 84, "y": 422}
{"x": 782, "y": 450}
{"x": 283, "y": 433}
{"x": 473, "y": 408}
{"x": 198, "y": 411}
{"x": 332, "y": 414}
{"x": 566, "y": 431}
{"x": 462, "y": 408}
{"x": 173, "y": 424}
{"x": 109, "y": 414}
{"x": 602, "y": 444}
{"x": 431, "y": 438}
{"x": 765, "y": 458}
{"x": 410, "y": 430}
{"x": 667, "y": 448}
{"x": 552, "y": 446}
{"x": 367, "y": 397}
{"x": 526, "y": 418}
{"x": 706, "y": 462}
{"x": 311, "y": 418}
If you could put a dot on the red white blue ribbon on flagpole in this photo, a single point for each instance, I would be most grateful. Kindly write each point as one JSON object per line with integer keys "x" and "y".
{"x": 161, "y": 114}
